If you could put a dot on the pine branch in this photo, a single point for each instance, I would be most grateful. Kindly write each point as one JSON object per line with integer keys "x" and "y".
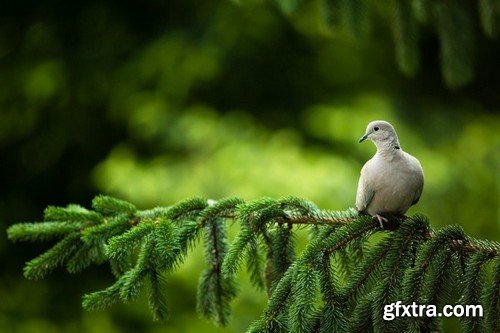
{"x": 288, "y": 6}
{"x": 369, "y": 270}
{"x": 71, "y": 213}
{"x": 111, "y": 206}
{"x": 404, "y": 240}
{"x": 333, "y": 317}
{"x": 456, "y": 36}
{"x": 103, "y": 299}
{"x": 490, "y": 298}
{"x": 278, "y": 303}
{"x": 134, "y": 278}
{"x": 157, "y": 299}
{"x": 422, "y": 10}
{"x": 250, "y": 221}
{"x": 44, "y": 231}
{"x": 362, "y": 317}
{"x": 354, "y": 16}
{"x": 255, "y": 265}
{"x": 120, "y": 266}
{"x": 489, "y": 14}
{"x": 307, "y": 293}
{"x": 414, "y": 277}
{"x": 474, "y": 284}
{"x": 437, "y": 288}
{"x": 405, "y": 32}
{"x": 281, "y": 254}
{"x": 86, "y": 255}
{"x": 119, "y": 246}
{"x": 302, "y": 305}
{"x": 454, "y": 23}
{"x": 215, "y": 291}
{"x": 57, "y": 255}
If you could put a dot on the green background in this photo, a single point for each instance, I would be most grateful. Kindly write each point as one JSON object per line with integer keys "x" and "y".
{"x": 157, "y": 101}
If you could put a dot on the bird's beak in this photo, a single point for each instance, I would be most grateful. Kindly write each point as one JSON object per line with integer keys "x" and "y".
{"x": 363, "y": 138}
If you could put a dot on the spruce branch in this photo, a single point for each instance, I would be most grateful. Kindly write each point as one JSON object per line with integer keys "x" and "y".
{"x": 399, "y": 258}
{"x": 302, "y": 304}
{"x": 455, "y": 31}
{"x": 120, "y": 245}
{"x": 157, "y": 298}
{"x": 362, "y": 316}
{"x": 57, "y": 255}
{"x": 281, "y": 253}
{"x": 473, "y": 288}
{"x": 103, "y": 299}
{"x": 422, "y": 10}
{"x": 111, "y": 206}
{"x": 489, "y": 14}
{"x": 333, "y": 317}
{"x": 437, "y": 287}
{"x": 70, "y": 213}
{"x": 455, "y": 23}
{"x": 369, "y": 269}
{"x": 354, "y": 16}
{"x": 259, "y": 274}
{"x": 339, "y": 282}
{"x": 215, "y": 291}
{"x": 86, "y": 255}
{"x": 405, "y": 32}
{"x": 43, "y": 231}
{"x": 442, "y": 239}
{"x": 490, "y": 298}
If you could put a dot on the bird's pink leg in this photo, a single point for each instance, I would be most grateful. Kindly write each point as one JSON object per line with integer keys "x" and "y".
{"x": 381, "y": 219}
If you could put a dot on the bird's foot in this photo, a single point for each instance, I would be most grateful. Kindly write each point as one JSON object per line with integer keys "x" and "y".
{"x": 381, "y": 220}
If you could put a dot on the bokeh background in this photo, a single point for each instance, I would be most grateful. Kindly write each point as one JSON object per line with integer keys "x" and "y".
{"x": 157, "y": 101}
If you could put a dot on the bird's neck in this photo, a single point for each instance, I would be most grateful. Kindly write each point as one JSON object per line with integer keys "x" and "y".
{"x": 388, "y": 147}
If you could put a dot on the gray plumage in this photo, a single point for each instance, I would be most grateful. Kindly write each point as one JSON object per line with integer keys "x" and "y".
{"x": 392, "y": 180}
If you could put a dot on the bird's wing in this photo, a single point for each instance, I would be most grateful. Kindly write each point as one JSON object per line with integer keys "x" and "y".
{"x": 418, "y": 192}
{"x": 365, "y": 192}
{"x": 418, "y": 178}
{"x": 417, "y": 196}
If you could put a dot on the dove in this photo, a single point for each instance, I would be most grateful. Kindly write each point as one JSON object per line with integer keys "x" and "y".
{"x": 392, "y": 180}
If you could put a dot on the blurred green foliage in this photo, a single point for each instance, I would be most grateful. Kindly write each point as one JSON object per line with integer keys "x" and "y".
{"x": 159, "y": 101}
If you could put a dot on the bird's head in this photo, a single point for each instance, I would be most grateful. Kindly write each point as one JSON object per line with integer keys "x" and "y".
{"x": 381, "y": 133}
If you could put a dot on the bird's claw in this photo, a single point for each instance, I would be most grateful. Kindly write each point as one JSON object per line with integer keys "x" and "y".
{"x": 380, "y": 220}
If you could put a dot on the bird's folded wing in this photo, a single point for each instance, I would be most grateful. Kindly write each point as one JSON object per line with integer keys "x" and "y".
{"x": 364, "y": 195}
{"x": 416, "y": 179}
{"x": 417, "y": 197}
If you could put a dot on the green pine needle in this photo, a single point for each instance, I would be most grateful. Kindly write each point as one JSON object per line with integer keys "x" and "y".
{"x": 57, "y": 255}
{"x": 111, "y": 206}
{"x": 456, "y": 36}
{"x": 86, "y": 255}
{"x": 70, "y": 213}
{"x": 255, "y": 264}
{"x": 157, "y": 298}
{"x": 474, "y": 284}
{"x": 302, "y": 306}
{"x": 489, "y": 14}
{"x": 490, "y": 299}
{"x": 354, "y": 16}
{"x": 422, "y": 10}
{"x": 362, "y": 317}
{"x": 340, "y": 282}
{"x": 122, "y": 244}
{"x": 43, "y": 231}
{"x": 103, "y": 299}
{"x": 405, "y": 32}
{"x": 215, "y": 290}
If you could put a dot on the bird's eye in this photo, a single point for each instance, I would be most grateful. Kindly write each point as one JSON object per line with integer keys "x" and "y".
{"x": 376, "y": 128}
